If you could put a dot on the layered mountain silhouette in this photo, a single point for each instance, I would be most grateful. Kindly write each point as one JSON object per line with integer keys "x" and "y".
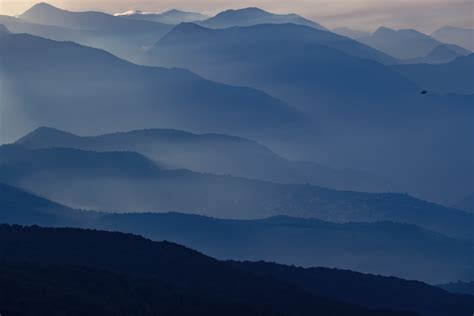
{"x": 254, "y": 16}
{"x": 124, "y": 37}
{"x": 463, "y": 37}
{"x": 407, "y": 44}
{"x": 47, "y": 14}
{"x": 427, "y": 255}
{"x": 454, "y": 77}
{"x": 439, "y": 55}
{"x": 258, "y": 285}
{"x": 360, "y": 105}
{"x": 126, "y": 181}
{"x": 212, "y": 153}
{"x": 172, "y": 16}
{"x": 88, "y": 90}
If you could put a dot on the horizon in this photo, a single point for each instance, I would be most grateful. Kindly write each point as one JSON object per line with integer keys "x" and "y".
{"x": 423, "y": 15}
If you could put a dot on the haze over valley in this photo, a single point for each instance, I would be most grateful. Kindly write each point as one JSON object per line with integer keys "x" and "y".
{"x": 236, "y": 160}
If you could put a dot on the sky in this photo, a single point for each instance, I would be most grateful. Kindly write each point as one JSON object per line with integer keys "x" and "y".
{"x": 424, "y": 15}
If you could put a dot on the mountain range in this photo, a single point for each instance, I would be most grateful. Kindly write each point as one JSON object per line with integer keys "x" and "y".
{"x": 211, "y": 153}
{"x": 455, "y": 35}
{"x": 127, "y": 181}
{"x": 106, "y": 94}
{"x": 360, "y": 105}
{"x": 254, "y": 16}
{"x": 123, "y": 37}
{"x": 411, "y": 45}
{"x": 428, "y": 256}
{"x": 280, "y": 152}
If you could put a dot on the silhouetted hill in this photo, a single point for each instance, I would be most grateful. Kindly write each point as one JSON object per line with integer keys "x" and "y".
{"x": 26, "y": 290}
{"x": 130, "y": 182}
{"x": 405, "y": 44}
{"x": 305, "y": 242}
{"x": 454, "y": 77}
{"x": 213, "y": 153}
{"x": 173, "y": 265}
{"x": 289, "y": 290}
{"x": 455, "y": 35}
{"x": 123, "y": 37}
{"x": 168, "y": 17}
{"x": 368, "y": 290}
{"x": 254, "y": 16}
{"x": 87, "y": 90}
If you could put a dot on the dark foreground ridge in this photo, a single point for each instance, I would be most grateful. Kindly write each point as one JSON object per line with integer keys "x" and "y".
{"x": 142, "y": 265}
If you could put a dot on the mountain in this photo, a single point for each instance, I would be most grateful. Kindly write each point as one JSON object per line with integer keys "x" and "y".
{"x": 442, "y": 54}
{"x": 318, "y": 280}
{"x": 126, "y": 181}
{"x": 118, "y": 44}
{"x": 123, "y": 37}
{"x": 223, "y": 282}
{"x": 174, "y": 267}
{"x": 168, "y": 17}
{"x": 211, "y": 153}
{"x": 463, "y": 37}
{"x": 466, "y": 203}
{"x": 304, "y": 73}
{"x": 351, "y": 33}
{"x": 17, "y": 25}
{"x": 88, "y": 90}
{"x": 405, "y": 44}
{"x": 439, "y": 55}
{"x": 459, "y": 287}
{"x": 307, "y": 72}
{"x": 254, "y": 16}
{"x": 427, "y": 255}
{"x": 359, "y": 105}
{"x": 47, "y": 14}
{"x": 454, "y": 77}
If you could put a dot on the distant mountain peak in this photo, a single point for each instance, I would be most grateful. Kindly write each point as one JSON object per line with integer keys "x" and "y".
{"x": 41, "y": 7}
{"x": 44, "y": 132}
{"x": 254, "y": 15}
{"x": 383, "y": 29}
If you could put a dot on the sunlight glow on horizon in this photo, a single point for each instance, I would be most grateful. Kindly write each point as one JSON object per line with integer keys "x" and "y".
{"x": 425, "y": 15}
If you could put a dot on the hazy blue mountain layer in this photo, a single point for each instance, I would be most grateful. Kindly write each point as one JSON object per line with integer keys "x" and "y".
{"x": 126, "y": 181}
{"x": 212, "y": 153}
